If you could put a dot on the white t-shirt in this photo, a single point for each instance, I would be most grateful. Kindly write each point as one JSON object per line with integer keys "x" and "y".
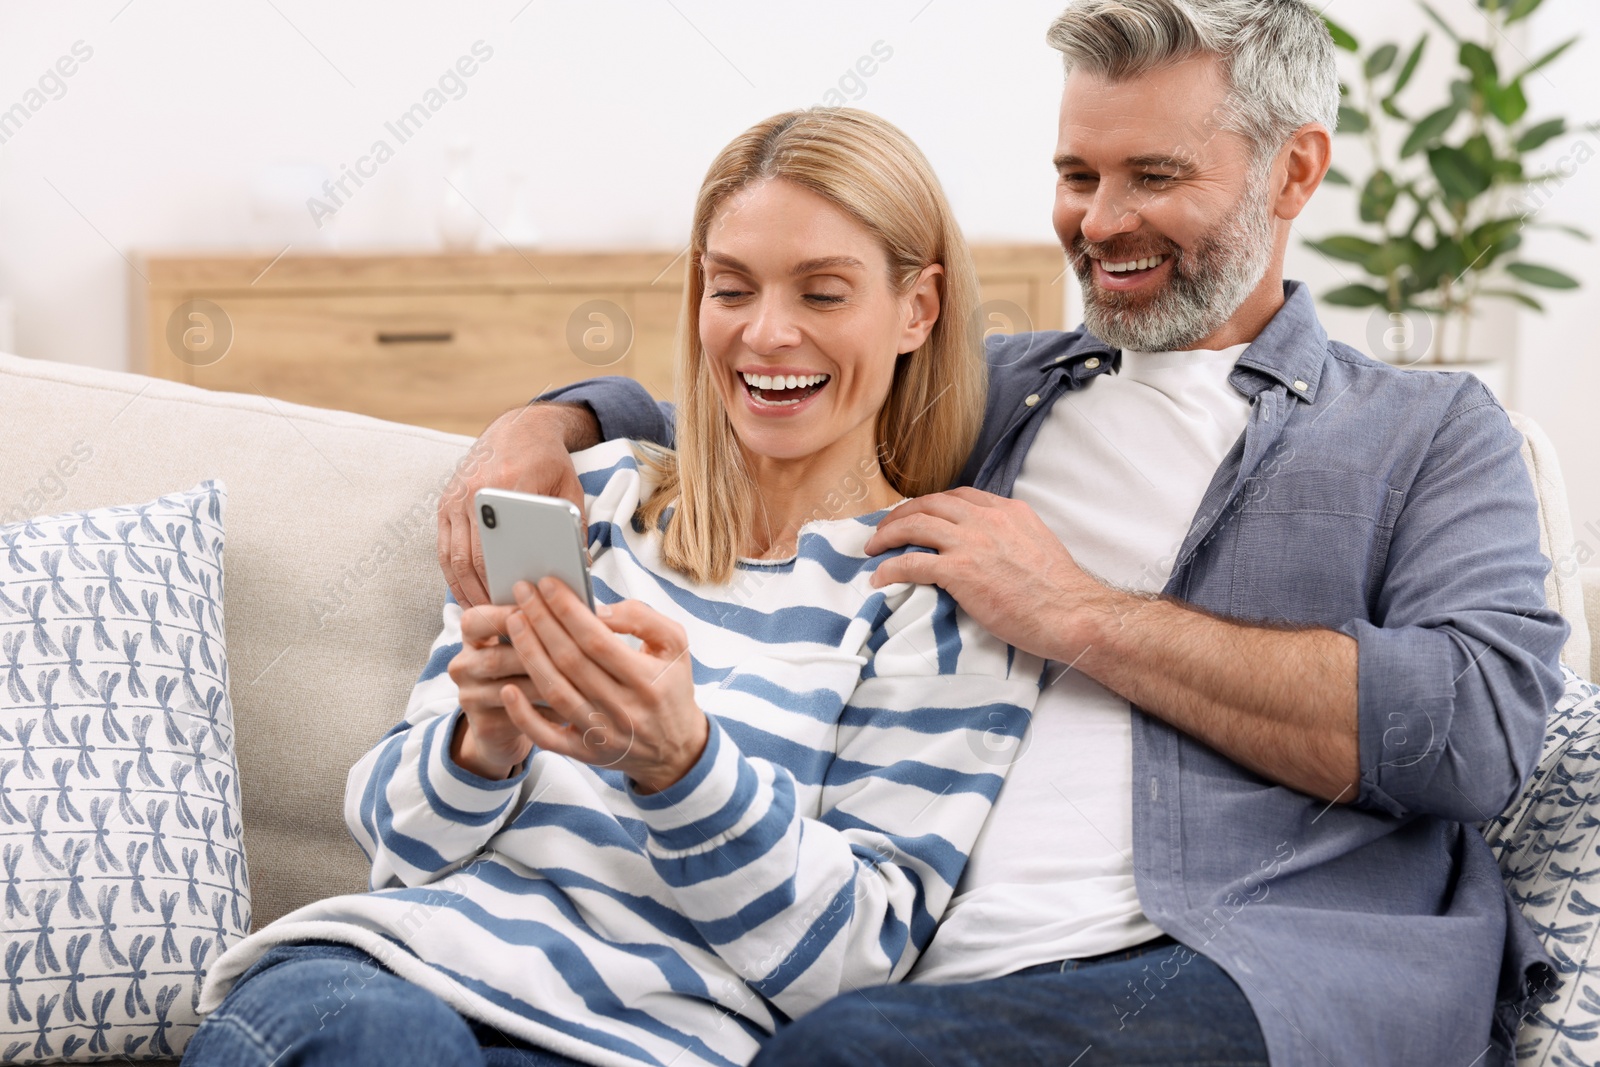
{"x": 1117, "y": 472}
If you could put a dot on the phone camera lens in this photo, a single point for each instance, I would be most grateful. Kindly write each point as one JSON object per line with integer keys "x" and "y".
{"x": 488, "y": 516}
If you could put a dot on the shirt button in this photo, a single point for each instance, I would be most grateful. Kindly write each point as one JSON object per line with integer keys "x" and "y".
{"x": 1299, "y": 385}
{"x": 1092, "y": 362}
{"x": 1032, "y": 399}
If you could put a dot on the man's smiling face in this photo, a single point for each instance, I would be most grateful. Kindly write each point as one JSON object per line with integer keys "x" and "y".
{"x": 1166, "y": 217}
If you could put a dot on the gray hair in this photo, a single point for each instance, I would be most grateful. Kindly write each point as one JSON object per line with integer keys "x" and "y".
{"x": 1277, "y": 56}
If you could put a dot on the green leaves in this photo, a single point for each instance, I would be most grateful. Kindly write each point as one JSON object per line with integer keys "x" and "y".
{"x": 1521, "y": 9}
{"x": 1378, "y": 197}
{"x": 1381, "y": 59}
{"x": 1460, "y": 178}
{"x": 1495, "y": 232}
{"x": 1430, "y": 129}
{"x": 1491, "y": 240}
{"x": 1451, "y": 161}
{"x": 1404, "y": 77}
{"x": 1548, "y": 58}
{"x": 1348, "y": 248}
{"x": 1511, "y": 294}
{"x": 1478, "y": 59}
{"x": 1572, "y": 231}
{"x": 1355, "y": 296}
{"x": 1545, "y": 277}
{"x": 1377, "y": 259}
{"x": 1537, "y": 136}
{"x": 1395, "y": 254}
{"x": 1445, "y": 261}
{"x": 1443, "y": 25}
{"x": 1507, "y": 103}
{"x": 1341, "y": 36}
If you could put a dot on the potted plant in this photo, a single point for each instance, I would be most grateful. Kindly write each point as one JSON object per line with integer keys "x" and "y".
{"x": 1449, "y": 192}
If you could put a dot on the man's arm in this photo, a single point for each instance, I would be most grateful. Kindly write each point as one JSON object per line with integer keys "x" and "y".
{"x": 1436, "y": 704}
{"x": 1294, "y": 723}
{"x": 527, "y": 450}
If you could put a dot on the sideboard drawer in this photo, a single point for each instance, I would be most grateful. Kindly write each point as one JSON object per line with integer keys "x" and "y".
{"x": 450, "y": 361}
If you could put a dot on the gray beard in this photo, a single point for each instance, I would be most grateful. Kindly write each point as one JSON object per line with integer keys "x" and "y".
{"x": 1208, "y": 282}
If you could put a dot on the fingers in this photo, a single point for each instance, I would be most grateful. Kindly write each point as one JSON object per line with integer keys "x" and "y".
{"x": 479, "y": 674}
{"x": 483, "y": 625}
{"x": 954, "y": 505}
{"x": 580, "y": 646}
{"x": 976, "y": 497}
{"x": 927, "y": 531}
{"x": 555, "y": 688}
{"x": 442, "y": 548}
{"x": 661, "y": 636}
{"x": 482, "y": 697}
{"x": 914, "y": 521}
{"x": 464, "y": 563}
{"x": 552, "y": 736}
{"x": 476, "y": 579}
{"x": 919, "y": 568}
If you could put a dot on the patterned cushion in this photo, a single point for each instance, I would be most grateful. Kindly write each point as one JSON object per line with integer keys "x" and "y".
{"x": 124, "y": 871}
{"x": 1546, "y": 845}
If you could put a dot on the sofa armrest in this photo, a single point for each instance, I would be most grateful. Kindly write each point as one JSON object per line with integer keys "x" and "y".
{"x": 1591, "y": 608}
{"x": 1563, "y": 591}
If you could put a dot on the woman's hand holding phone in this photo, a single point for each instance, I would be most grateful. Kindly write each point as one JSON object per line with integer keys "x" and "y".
{"x": 609, "y": 704}
{"x": 488, "y": 742}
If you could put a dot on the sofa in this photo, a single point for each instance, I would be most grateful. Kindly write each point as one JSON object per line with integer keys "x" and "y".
{"x": 332, "y": 590}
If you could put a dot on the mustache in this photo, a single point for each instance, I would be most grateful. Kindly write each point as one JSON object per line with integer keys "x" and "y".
{"x": 1118, "y": 252}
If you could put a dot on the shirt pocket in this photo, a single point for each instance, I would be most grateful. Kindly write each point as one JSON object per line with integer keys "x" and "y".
{"x": 1311, "y": 546}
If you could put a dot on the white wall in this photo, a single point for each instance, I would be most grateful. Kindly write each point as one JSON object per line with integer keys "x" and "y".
{"x": 1559, "y": 366}
{"x": 613, "y": 111}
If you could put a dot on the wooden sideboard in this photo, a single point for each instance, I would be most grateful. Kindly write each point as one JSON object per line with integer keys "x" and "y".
{"x": 452, "y": 340}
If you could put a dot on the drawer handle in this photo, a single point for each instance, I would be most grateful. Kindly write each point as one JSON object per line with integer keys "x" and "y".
{"x": 442, "y": 337}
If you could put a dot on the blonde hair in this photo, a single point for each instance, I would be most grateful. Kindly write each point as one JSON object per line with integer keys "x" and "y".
{"x": 873, "y": 172}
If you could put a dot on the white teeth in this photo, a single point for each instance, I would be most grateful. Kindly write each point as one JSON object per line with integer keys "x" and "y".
{"x": 1133, "y": 264}
{"x": 791, "y": 381}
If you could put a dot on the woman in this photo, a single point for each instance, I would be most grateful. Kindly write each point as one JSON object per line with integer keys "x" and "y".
{"x": 769, "y": 799}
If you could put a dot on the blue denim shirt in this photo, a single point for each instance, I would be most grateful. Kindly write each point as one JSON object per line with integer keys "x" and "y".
{"x": 1392, "y": 506}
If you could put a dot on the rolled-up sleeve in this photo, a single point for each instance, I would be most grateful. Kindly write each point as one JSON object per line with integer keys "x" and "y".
{"x": 624, "y": 408}
{"x": 1459, "y": 663}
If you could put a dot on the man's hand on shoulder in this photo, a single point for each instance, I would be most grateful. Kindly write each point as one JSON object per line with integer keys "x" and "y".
{"x": 999, "y": 560}
{"x": 527, "y": 450}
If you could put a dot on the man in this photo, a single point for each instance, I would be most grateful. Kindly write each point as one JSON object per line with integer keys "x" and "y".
{"x": 1294, "y": 595}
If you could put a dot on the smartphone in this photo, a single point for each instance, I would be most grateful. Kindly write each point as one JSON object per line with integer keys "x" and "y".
{"x": 526, "y": 538}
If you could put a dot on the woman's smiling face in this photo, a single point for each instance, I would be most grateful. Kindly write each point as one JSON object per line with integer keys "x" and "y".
{"x": 800, "y": 324}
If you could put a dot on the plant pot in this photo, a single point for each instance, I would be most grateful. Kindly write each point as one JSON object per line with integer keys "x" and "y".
{"x": 1417, "y": 340}
{"x": 1494, "y": 373}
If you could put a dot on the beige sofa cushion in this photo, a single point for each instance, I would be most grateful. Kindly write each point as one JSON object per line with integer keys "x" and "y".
{"x": 332, "y": 590}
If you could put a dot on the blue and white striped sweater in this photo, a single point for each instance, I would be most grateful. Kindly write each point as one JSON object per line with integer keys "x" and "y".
{"x": 810, "y": 850}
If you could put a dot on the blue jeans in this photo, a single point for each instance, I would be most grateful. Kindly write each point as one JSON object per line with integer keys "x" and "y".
{"x": 318, "y": 1003}
{"x": 1157, "y": 1003}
